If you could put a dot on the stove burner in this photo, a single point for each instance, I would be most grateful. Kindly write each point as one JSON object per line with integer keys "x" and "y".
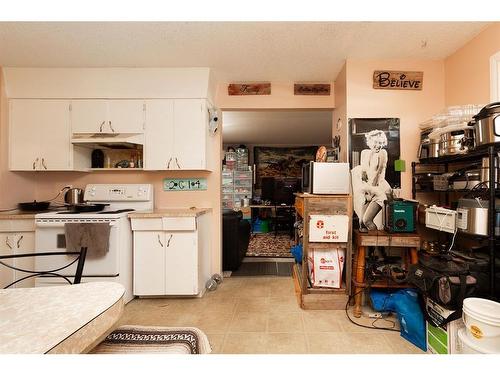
{"x": 116, "y": 211}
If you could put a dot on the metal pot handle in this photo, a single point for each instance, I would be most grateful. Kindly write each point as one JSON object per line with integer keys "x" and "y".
{"x": 496, "y": 121}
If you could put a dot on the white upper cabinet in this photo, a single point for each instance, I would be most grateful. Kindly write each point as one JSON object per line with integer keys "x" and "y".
{"x": 107, "y": 116}
{"x": 159, "y": 139}
{"x": 176, "y": 134}
{"x": 190, "y": 133}
{"x": 39, "y": 135}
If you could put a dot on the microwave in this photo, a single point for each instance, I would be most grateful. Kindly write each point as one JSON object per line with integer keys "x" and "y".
{"x": 326, "y": 178}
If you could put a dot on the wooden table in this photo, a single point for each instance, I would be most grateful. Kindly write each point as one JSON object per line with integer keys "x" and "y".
{"x": 409, "y": 241}
{"x": 58, "y": 319}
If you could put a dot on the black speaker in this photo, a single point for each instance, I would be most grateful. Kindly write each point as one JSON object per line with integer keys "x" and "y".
{"x": 267, "y": 185}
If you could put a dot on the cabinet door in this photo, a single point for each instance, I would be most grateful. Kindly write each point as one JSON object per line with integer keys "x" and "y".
{"x": 24, "y": 243}
{"x": 125, "y": 116}
{"x": 7, "y": 247}
{"x": 27, "y": 118}
{"x": 149, "y": 263}
{"x": 55, "y": 136}
{"x": 158, "y": 150}
{"x": 190, "y": 132}
{"x": 89, "y": 116}
{"x": 181, "y": 274}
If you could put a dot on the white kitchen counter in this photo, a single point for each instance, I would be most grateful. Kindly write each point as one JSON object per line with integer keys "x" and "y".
{"x": 58, "y": 319}
{"x": 170, "y": 212}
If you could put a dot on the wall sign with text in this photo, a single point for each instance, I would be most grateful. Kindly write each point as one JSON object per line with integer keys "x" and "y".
{"x": 184, "y": 184}
{"x": 396, "y": 80}
{"x": 311, "y": 89}
{"x": 249, "y": 89}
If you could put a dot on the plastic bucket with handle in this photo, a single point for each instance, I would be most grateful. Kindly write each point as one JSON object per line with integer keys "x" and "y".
{"x": 482, "y": 320}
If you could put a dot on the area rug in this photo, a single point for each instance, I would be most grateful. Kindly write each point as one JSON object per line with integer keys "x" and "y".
{"x": 264, "y": 269}
{"x": 268, "y": 245}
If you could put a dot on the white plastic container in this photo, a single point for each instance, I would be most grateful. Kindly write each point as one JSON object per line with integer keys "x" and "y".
{"x": 482, "y": 320}
{"x": 468, "y": 346}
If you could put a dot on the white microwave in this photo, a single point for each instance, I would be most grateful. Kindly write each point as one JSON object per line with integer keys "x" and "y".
{"x": 326, "y": 178}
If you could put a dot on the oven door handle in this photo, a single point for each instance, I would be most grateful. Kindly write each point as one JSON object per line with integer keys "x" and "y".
{"x": 61, "y": 225}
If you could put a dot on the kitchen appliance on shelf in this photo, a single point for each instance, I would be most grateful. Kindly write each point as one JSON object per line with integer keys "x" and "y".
{"x": 487, "y": 125}
{"x": 115, "y": 200}
{"x": 400, "y": 215}
{"x": 326, "y": 178}
{"x": 472, "y": 216}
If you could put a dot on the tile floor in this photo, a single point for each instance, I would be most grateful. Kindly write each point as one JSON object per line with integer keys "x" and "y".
{"x": 257, "y": 315}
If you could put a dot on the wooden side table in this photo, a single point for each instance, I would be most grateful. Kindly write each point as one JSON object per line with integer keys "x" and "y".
{"x": 409, "y": 241}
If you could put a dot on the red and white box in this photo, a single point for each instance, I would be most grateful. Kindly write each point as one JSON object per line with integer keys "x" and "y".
{"x": 328, "y": 228}
{"x": 325, "y": 267}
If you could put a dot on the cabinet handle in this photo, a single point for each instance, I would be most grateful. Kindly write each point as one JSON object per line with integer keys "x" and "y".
{"x": 113, "y": 130}
{"x": 168, "y": 165}
{"x": 8, "y": 243}
{"x": 43, "y": 163}
{"x": 160, "y": 241}
{"x": 34, "y": 163}
{"x": 177, "y": 162}
{"x": 100, "y": 127}
{"x": 19, "y": 241}
{"x": 168, "y": 242}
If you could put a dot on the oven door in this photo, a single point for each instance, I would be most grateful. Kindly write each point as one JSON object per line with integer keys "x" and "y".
{"x": 49, "y": 236}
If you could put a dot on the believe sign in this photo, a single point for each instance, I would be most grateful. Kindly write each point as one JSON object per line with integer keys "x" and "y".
{"x": 395, "y": 80}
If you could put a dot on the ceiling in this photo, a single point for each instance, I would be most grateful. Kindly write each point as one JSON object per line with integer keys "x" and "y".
{"x": 236, "y": 51}
{"x": 275, "y": 127}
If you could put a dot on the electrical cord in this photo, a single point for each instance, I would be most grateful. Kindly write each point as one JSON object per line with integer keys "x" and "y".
{"x": 362, "y": 325}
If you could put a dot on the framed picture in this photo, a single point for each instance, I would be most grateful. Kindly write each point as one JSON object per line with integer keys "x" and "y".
{"x": 281, "y": 161}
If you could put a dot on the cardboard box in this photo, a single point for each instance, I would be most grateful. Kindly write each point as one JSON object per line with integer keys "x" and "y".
{"x": 328, "y": 228}
{"x": 442, "y": 340}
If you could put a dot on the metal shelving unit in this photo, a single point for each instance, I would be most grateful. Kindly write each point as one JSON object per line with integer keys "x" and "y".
{"x": 491, "y": 152}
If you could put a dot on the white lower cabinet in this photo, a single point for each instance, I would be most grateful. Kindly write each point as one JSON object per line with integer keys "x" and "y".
{"x": 171, "y": 256}
{"x": 17, "y": 237}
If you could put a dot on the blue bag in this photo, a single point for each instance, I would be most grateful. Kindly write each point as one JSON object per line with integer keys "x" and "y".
{"x": 404, "y": 303}
{"x": 297, "y": 252}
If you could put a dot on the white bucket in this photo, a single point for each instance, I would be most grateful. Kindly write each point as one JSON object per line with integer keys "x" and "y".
{"x": 468, "y": 346}
{"x": 482, "y": 320}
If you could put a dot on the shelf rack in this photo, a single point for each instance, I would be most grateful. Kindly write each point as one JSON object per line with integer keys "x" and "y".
{"x": 491, "y": 151}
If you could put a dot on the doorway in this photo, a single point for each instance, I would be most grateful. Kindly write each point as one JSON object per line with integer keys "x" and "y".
{"x": 264, "y": 151}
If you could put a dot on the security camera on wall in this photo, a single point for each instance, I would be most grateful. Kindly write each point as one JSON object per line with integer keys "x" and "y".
{"x": 213, "y": 124}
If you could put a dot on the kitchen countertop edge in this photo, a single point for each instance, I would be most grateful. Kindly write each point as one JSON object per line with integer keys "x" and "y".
{"x": 170, "y": 212}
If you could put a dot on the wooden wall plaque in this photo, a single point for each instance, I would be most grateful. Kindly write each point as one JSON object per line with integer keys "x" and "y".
{"x": 311, "y": 89}
{"x": 249, "y": 89}
{"x": 396, "y": 80}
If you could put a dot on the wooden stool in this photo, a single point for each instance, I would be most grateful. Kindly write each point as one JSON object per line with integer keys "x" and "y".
{"x": 410, "y": 241}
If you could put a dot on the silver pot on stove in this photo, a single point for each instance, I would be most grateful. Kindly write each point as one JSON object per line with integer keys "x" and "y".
{"x": 73, "y": 196}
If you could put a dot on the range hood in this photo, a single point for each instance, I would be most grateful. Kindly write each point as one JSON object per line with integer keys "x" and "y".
{"x": 109, "y": 140}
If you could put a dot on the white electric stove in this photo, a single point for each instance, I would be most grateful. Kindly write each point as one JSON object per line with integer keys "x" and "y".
{"x": 116, "y": 264}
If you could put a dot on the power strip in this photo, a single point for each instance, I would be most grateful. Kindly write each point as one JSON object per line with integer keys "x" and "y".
{"x": 375, "y": 315}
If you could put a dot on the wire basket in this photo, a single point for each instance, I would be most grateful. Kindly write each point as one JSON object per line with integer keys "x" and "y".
{"x": 441, "y": 182}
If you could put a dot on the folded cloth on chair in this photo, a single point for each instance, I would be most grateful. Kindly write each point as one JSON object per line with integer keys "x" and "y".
{"x": 94, "y": 236}
{"x": 132, "y": 339}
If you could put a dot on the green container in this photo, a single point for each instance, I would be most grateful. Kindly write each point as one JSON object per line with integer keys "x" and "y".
{"x": 264, "y": 226}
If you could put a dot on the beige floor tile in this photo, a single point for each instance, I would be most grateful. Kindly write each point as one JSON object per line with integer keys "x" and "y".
{"x": 285, "y": 322}
{"x": 244, "y": 343}
{"x": 284, "y": 304}
{"x": 321, "y": 321}
{"x": 216, "y": 341}
{"x": 208, "y": 323}
{"x": 400, "y": 345}
{"x": 253, "y": 304}
{"x": 327, "y": 343}
{"x": 249, "y": 322}
{"x": 367, "y": 343}
{"x": 286, "y": 343}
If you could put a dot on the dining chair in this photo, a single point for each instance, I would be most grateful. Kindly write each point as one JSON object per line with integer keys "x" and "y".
{"x": 79, "y": 259}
